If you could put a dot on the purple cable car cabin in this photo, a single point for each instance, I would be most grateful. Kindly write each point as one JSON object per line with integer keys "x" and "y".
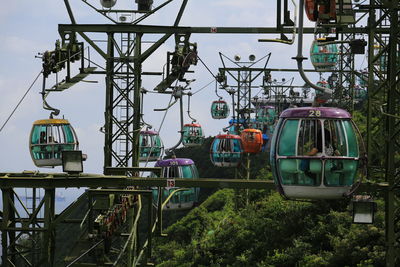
{"x": 178, "y": 168}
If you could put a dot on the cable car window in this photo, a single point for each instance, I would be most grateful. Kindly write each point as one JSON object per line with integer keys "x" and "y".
{"x": 291, "y": 174}
{"x": 251, "y": 137}
{"x": 225, "y": 145}
{"x": 187, "y": 172}
{"x": 61, "y": 137}
{"x": 165, "y": 172}
{"x": 69, "y": 136}
{"x": 157, "y": 141}
{"x": 145, "y": 141}
{"x": 352, "y": 139}
{"x": 173, "y": 172}
{"x": 340, "y": 172}
{"x": 39, "y": 135}
{"x": 194, "y": 171}
{"x": 52, "y": 137}
{"x": 236, "y": 145}
{"x": 335, "y": 138}
{"x": 216, "y": 145}
{"x": 310, "y": 138}
{"x": 287, "y": 140}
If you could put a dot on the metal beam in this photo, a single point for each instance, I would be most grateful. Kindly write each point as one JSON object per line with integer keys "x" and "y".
{"x": 126, "y": 28}
{"x": 63, "y": 180}
{"x": 123, "y": 181}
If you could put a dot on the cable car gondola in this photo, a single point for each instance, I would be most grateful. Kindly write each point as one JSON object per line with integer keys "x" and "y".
{"x": 266, "y": 117}
{"x": 320, "y": 10}
{"x": 252, "y": 140}
{"x": 178, "y": 168}
{"x": 360, "y": 94}
{"x": 192, "y": 134}
{"x": 236, "y": 126}
{"x": 323, "y": 57}
{"x": 219, "y": 109}
{"x": 48, "y": 138}
{"x": 226, "y": 150}
{"x": 150, "y": 146}
{"x": 315, "y": 153}
{"x": 266, "y": 114}
{"x": 320, "y": 97}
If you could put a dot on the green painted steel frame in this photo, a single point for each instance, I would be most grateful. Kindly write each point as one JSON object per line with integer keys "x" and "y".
{"x": 12, "y": 232}
{"x": 383, "y": 119}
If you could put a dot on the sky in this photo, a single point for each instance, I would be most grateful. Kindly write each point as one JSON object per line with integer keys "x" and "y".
{"x": 25, "y": 34}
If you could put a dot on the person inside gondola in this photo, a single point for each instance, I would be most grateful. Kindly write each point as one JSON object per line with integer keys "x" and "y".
{"x": 252, "y": 137}
{"x": 42, "y": 140}
{"x": 329, "y": 149}
{"x": 317, "y": 151}
{"x": 51, "y": 147}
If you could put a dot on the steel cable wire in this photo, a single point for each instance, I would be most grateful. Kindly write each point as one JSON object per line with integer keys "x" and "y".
{"x": 16, "y": 107}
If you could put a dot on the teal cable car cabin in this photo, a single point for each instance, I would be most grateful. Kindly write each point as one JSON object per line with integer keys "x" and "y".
{"x": 178, "y": 168}
{"x": 193, "y": 135}
{"x": 316, "y": 153}
{"x": 48, "y": 138}
{"x": 324, "y": 57}
{"x": 219, "y": 110}
{"x": 151, "y": 146}
{"x": 226, "y": 150}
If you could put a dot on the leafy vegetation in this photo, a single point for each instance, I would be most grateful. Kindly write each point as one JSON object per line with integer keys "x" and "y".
{"x": 271, "y": 232}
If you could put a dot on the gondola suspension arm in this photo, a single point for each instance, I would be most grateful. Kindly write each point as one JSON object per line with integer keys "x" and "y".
{"x": 170, "y": 151}
{"x": 188, "y": 110}
{"x": 283, "y": 41}
{"x": 46, "y": 106}
{"x": 299, "y": 58}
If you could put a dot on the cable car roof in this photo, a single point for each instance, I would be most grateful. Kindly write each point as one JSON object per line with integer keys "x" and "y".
{"x": 228, "y": 136}
{"x": 309, "y": 112}
{"x": 241, "y": 120}
{"x": 267, "y": 107}
{"x": 51, "y": 121}
{"x": 192, "y": 125}
{"x": 149, "y": 132}
{"x": 219, "y": 101}
{"x": 251, "y": 131}
{"x": 174, "y": 162}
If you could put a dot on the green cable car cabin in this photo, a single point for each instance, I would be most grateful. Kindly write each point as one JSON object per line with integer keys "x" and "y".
{"x": 48, "y": 138}
{"x": 324, "y": 57}
{"x": 193, "y": 135}
{"x": 316, "y": 153}
{"x": 151, "y": 146}
{"x": 219, "y": 109}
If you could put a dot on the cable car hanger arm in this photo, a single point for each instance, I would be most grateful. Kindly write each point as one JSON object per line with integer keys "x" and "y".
{"x": 170, "y": 151}
{"x": 46, "y": 106}
{"x": 283, "y": 41}
{"x": 299, "y": 58}
{"x": 188, "y": 110}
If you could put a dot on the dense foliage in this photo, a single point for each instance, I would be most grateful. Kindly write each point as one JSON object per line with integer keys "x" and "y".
{"x": 271, "y": 232}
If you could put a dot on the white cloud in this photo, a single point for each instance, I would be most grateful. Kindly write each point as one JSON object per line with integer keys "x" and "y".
{"x": 252, "y": 4}
{"x": 18, "y": 45}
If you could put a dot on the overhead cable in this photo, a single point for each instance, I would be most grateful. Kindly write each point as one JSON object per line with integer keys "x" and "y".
{"x": 27, "y": 91}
